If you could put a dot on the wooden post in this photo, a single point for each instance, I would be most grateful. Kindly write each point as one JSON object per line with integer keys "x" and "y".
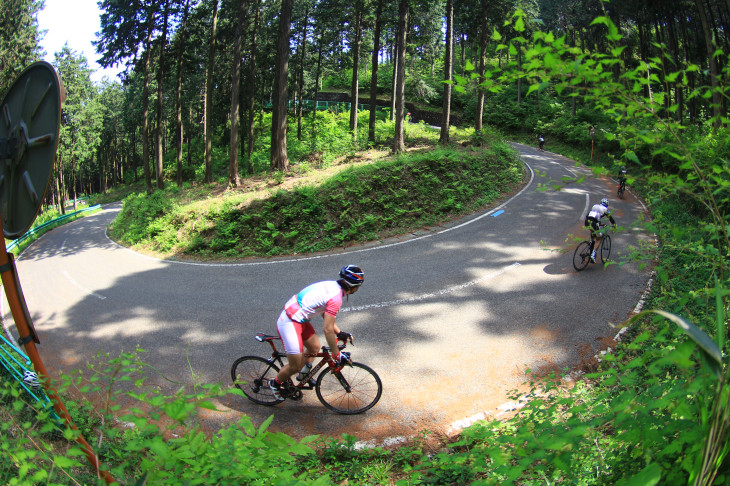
{"x": 593, "y": 139}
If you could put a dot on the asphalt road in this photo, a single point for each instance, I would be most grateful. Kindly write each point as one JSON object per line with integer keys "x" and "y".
{"x": 450, "y": 317}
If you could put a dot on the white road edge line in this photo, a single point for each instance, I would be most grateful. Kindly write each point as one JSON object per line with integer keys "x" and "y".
{"x": 90, "y": 292}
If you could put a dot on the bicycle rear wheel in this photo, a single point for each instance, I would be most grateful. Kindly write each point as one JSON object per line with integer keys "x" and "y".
{"x": 582, "y": 255}
{"x": 353, "y": 389}
{"x": 620, "y": 192}
{"x": 605, "y": 248}
{"x": 251, "y": 374}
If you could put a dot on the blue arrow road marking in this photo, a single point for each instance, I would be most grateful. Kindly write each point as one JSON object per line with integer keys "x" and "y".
{"x": 498, "y": 213}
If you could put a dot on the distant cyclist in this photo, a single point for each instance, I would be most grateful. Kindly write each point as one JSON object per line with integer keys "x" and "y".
{"x": 541, "y": 142}
{"x": 622, "y": 174}
{"x": 297, "y": 333}
{"x": 593, "y": 222}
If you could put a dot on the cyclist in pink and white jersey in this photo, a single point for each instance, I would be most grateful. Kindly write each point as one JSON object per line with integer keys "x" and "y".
{"x": 296, "y": 330}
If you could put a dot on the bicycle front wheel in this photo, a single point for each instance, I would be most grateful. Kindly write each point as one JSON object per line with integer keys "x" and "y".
{"x": 251, "y": 374}
{"x": 582, "y": 256}
{"x": 353, "y": 389}
{"x": 605, "y": 248}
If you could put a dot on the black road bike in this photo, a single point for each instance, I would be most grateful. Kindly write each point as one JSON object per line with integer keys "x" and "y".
{"x": 582, "y": 254}
{"x": 347, "y": 389}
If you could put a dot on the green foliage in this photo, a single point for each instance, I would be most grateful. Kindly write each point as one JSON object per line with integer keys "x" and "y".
{"x": 82, "y": 112}
{"x": 359, "y": 204}
{"x": 153, "y": 212}
{"x": 36, "y": 448}
{"x": 20, "y": 42}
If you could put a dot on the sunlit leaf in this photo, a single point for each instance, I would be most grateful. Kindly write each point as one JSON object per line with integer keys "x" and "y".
{"x": 520, "y": 25}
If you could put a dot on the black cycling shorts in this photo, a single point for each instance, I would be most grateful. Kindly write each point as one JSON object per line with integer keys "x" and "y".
{"x": 592, "y": 223}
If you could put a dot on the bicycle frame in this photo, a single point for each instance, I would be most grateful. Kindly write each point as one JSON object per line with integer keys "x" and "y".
{"x": 346, "y": 388}
{"x": 325, "y": 354}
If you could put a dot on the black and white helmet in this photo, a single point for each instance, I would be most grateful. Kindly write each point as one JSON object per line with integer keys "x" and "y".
{"x": 352, "y": 275}
{"x": 604, "y": 202}
{"x": 30, "y": 378}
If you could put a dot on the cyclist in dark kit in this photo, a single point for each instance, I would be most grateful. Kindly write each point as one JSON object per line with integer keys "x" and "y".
{"x": 593, "y": 223}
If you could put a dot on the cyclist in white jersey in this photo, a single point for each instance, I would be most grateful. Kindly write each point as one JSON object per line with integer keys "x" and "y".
{"x": 593, "y": 222}
{"x": 296, "y": 330}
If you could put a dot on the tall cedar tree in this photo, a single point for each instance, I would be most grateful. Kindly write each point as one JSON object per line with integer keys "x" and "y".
{"x": 482, "y": 48}
{"x": 300, "y": 78}
{"x": 19, "y": 39}
{"x": 233, "y": 178}
{"x": 279, "y": 157}
{"x": 252, "y": 85}
{"x": 182, "y": 37}
{"x": 160, "y": 79}
{"x": 355, "y": 87}
{"x": 124, "y": 27}
{"x": 448, "y": 70}
{"x": 209, "y": 97}
{"x": 400, "y": 77}
{"x": 374, "y": 75}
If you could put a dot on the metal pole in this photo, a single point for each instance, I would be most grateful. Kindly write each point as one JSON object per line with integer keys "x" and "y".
{"x": 29, "y": 339}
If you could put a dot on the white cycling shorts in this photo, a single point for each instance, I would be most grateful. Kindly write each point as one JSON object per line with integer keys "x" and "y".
{"x": 293, "y": 334}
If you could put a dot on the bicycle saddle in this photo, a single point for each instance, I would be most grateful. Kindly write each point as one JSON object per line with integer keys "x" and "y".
{"x": 261, "y": 337}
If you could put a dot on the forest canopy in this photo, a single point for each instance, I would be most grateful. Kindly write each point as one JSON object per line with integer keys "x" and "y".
{"x": 200, "y": 75}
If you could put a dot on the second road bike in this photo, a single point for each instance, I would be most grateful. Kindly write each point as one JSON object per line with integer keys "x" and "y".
{"x": 582, "y": 254}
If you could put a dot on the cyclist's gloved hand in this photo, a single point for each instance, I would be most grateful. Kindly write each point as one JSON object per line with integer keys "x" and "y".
{"x": 344, "y": 336}
{"x": 343, "y": 358}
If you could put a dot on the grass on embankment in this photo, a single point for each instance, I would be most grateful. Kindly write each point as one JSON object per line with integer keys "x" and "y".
{"x": 364, "y": 201}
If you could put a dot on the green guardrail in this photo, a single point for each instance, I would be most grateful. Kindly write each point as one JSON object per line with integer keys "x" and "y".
{"x": 328, "y": 105}
{"x": 18, "y": 365}
{"x": 39, "y": 230}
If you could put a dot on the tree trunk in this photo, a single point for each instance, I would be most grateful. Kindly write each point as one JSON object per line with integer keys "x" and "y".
{"x": 355, "y": 87}
{"x": 482, "y": 55}
{"x": 252, "y": 89}
{"x": 448, "y": 70}
{"x": 178, "y": 96}
{"x": 374, "y": 74}
{"x": 233, "y": 179}
{"x": 279, "y": 157}
{"x": 674, "y": 48}
{"x": 519, "y": 79}
{"x": 462, "y": 42}
{"x": 190, "y": 138}
{"x": 209, "y": 97}
{"x": 709, "y": 45}
{"x": 160, "y": 74}
{"x": 59, "y": 185}
{"x": 134, "y": 156}
{"x": 300, "y": 81}
{"x": 146, "y": 108}
{"x": 395, "y": 83}
{"x": 398, "y": 138}
{"x": 73, "y": 181}
{"x": 692, "y": 102}
{"x": 316, "y": 88}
